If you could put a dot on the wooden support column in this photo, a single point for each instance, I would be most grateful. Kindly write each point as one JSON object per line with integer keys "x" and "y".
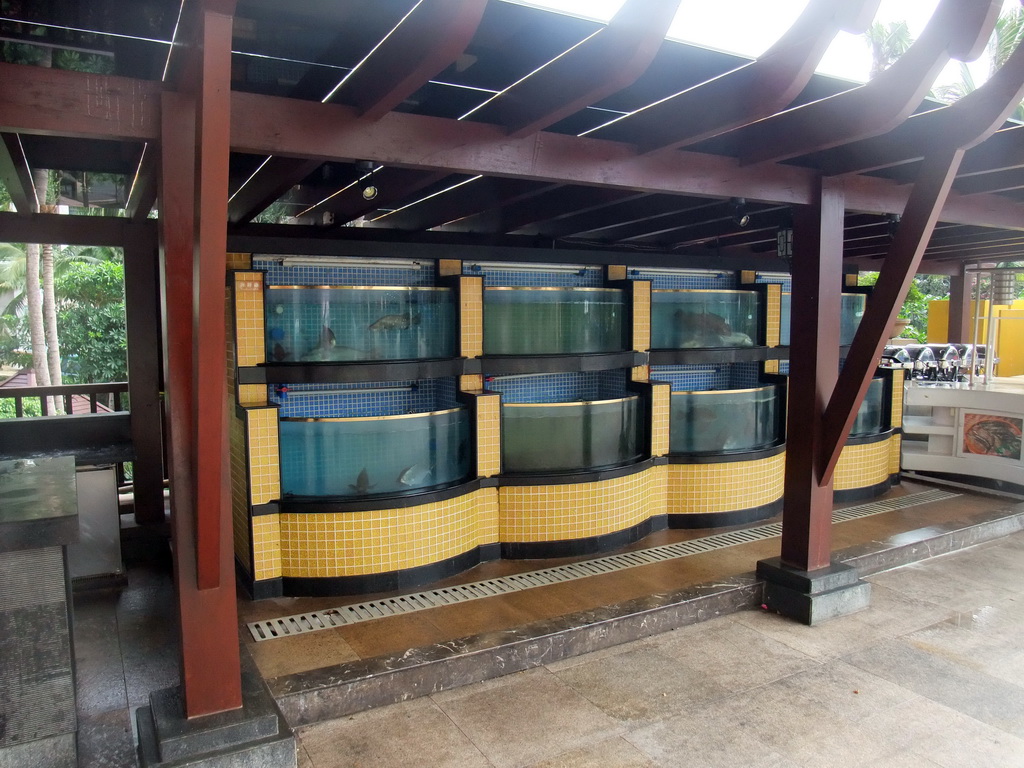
{"x": 141, "y": 288}
{"x": 814, "y": 365}
{"x": 959, "y": 327}
{"x": 210, "y": 678}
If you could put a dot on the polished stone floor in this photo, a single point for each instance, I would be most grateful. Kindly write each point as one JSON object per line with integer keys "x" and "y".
{"x": 931, "y": 674}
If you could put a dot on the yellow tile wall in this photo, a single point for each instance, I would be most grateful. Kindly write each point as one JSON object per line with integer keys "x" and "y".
{"x": 488, "y": 435}
{"x": 249, "y": 324}
{"x": 266, "y": 546}
{"x": 264, "y": 455}
{"x": 252, "y": 394}
{"x": 577, "y": 510}
{"x": 471, "y": 307}
{"x": 239, "y": 261}
{"x": 894, "y": 454}
{"x": 229, "y": 334}
{"x": 239, "y": 490}
{"x": 771, "y": 366}
{"x": 640, "y": 373}
{"x": 851, "y": 279}
{"x": 471, "y": 383}
{"x": 860, "y": 466}
{"x": 360, "y": 543}
{"x": 897, "y": 397}
{"x": 774, "y": 317}
{"x": 641, "y": 315}
{"x": 616, "y": 272}
{"x": 487, "y": 515}
{"x": 446, "y": 267}
{"x": 748, "y": 277}
{"x": 661, "y": 410}
{"x": 727, "y": 487}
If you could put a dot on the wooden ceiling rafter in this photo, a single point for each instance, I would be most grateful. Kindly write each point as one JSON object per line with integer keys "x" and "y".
{"x": 749, "y": 93}
{"x": 629, "y": 210}
{"x": 603, "y": 64}
{"x": 275, "y": 176}
{"x": 958, "y": 29}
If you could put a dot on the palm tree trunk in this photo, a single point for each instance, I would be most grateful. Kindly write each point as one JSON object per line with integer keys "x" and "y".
{"x": 36, "y": 318}
{"x": 50, "y": 315}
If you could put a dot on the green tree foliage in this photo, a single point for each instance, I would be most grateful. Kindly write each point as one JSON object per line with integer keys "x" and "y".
{"x": 91, "y": 318}
{"x": 888, "y": 42}
{"x": 923, "y": 289}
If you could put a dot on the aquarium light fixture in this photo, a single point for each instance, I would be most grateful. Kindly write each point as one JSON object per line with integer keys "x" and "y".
{"x": 776, "y": 275}
{"x": 349, "y": 261}
{"x": 634, "y": 271}
{"x": 513, "y": 266}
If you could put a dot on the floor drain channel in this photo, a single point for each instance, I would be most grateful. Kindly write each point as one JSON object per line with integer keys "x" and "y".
{"x": 302, "y": 623}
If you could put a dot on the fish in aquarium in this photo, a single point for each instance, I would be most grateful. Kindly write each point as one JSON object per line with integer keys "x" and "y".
{"x": 414, "y": 475}
{"x": 362, "y": 484}
{"x": 394, "y": 322}
{"x": 279, "y": 353}
{"x": 706, "y": 329}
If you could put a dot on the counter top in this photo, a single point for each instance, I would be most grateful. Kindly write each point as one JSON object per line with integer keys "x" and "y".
{"x": 38, "y": 503}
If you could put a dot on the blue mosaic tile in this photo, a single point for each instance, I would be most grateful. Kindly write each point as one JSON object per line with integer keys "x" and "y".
{"x": 698, "y": 378}
{"x": 665, "y": 281}
{"x": 326, "y": 274}
{"x": 586, "y": 277}
{"x": 386, "y": 398}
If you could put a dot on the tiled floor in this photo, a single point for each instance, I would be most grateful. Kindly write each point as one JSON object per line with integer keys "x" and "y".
{"x": 718, "y": 687}
{"x": 932, "y": 674}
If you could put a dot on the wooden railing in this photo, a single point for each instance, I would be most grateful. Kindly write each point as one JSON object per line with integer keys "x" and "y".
{"x": 111, "y": 395}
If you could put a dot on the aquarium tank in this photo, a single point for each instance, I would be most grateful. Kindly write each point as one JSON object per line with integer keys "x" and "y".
{"x": 724, "y": 421}
{"x": 553, "y": 321}
{"x": 851, "y": 310}
{"x": 353, "y": 323}
{"x": 701, "y": 318}
{"x": 375, "y": 455}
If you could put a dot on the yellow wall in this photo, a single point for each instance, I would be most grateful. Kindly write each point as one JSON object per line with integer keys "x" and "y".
{"x": 1010, "y": 344}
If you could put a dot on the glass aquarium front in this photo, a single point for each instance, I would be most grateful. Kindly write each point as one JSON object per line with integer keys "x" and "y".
{"x": 869, "y": 419}
{"x": 553, "y": 321}
{"x": 720, "y": 421}
{"x": 697, "y": 318}
{"x": 566, "y": 437}
{"x": 851, "y": 308}
{"x": 359, "y": 457}
{"x": 344, "y": 323}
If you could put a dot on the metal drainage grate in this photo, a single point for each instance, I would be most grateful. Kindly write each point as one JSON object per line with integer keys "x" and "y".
{"x": 286, "y": 626}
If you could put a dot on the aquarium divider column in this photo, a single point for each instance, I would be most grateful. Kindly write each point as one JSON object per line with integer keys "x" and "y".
{"x": 486, "y": 412}
{"x": 471, "y": 316}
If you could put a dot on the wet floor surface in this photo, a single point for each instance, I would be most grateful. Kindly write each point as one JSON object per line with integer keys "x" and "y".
{"x": 644, "y": 703}
{"x": 932, "y": 674}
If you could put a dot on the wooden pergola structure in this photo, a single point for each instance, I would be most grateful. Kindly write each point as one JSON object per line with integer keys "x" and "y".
{"x": 488, "y": 124}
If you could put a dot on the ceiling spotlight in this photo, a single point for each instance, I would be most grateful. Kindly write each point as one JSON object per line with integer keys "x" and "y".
{"x": 366, "y": 169}
{"x": 740, "y": 217}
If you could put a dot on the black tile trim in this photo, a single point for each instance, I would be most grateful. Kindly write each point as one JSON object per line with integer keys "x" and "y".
{"x": 708, "y": 355}
{"x": 499, "y": 365}
{"x": 726, "y": 458}
{"x": 591, "y": 545}
{"x": 720, "y": 519}
{"x": 334, "y": 373}
{"x": 272, "y": 508}
{"x": 590, "y": 476}
{"x": 976, "y": 481}
{"x": 869, "y": 439}
{"x": 297, "y": 505}
{"x": 867, "y": 492}
{"x": 391, "y": 581}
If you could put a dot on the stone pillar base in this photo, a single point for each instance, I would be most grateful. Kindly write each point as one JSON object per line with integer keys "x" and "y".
{"x": 255, "y": 736}
{"x": 812, "y": 597}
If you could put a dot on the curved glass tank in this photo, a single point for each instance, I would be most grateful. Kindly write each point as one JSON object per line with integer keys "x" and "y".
{"x": 851, "y": 308}
{"x": 553, "y": 321}
{"x": 374, "y": 455}
{"x": 700, "y": 318}
{"x": 722, "y": 421}
{"x": 347, "y": 323}
{"x": 567, "y": 437}
{"x": 869, "y": 419}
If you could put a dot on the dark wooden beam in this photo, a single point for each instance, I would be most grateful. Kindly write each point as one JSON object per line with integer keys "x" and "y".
{"x": 956, "y": 29}
{"x": 458, "y": 203}
{"x": 143, "y": 192}
{"x": 69, "y": 230}
{"x": 749, "y": 93}
{"x": 16, "y": 175}
{"x": 908, "y": 141}
{"x": 62, "y": 103}
{"x": 814, "y": 364}
{"x": 959, "y": 321}
{"x": 720, "y": 224}
{"x": 396, "y": 186}
{"x": 544, "y": 211}
{"x": 427, "y": 40}
{"x": 270, "y": 181}
{"x": 603, "y": 64}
